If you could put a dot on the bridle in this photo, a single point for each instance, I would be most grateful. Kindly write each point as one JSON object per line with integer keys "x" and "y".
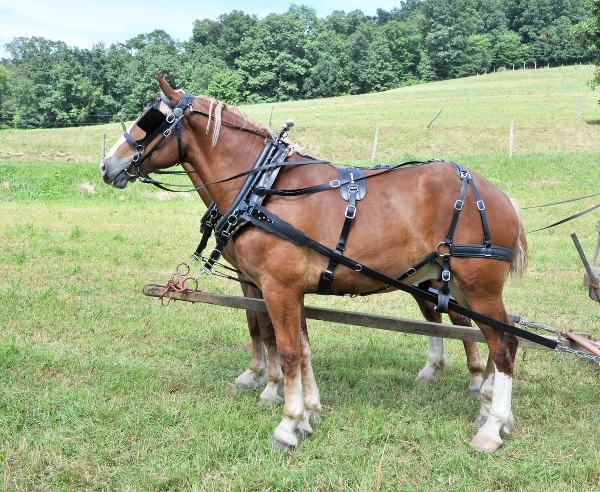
{"x": 155, "y": 122}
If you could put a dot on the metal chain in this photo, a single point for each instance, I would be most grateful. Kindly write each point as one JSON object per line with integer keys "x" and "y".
{"x": 579, "y": 353}
{"x": 560, "y": 348}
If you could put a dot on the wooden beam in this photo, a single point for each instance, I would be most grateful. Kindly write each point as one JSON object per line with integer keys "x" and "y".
{"x": 379, "y": 322}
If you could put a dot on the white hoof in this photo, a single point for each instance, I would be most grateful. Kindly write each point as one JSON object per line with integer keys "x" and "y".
{"x": 485, "y": 444}
{"x": 252, "y": 379}
{"x": 284, "y": 437}
{"x": 431, "y": 371}
{"x": 270, "y": 395}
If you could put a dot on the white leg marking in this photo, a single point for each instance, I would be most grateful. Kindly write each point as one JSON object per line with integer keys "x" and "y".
{"x": 500, "y": 416}
{"x": 312, "y": 400}
{"x": 284, "y": 435}
{"x": 486, "y": 394}
{"x": 273, "y": 392}
{"x": 436, "y": 361}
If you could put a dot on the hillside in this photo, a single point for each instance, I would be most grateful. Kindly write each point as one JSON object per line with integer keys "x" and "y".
{"x": 475, "y": 119}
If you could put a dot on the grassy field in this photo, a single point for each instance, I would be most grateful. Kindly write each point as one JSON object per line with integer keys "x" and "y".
{"x": 104, "y": 389}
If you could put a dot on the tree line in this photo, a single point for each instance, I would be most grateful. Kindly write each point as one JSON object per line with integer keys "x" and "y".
{"x": 240, "y": 58}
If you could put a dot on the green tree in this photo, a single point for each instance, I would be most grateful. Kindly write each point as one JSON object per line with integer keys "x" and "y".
{"x": 372, "y": 65}
{"x": 509, "y": 50}
{"x": 587, "y": 35}
{"x": 479, "y": 46}
{"x": 225, "y": 86}
{"x": 150, "y": 53}
{"x": 273, "y": 60}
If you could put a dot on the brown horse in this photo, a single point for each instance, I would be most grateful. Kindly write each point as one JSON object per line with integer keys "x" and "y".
{"x": 405, "y": 217}
{"x": 268, "y": 370}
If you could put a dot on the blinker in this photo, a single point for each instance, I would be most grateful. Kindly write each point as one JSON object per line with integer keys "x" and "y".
{"x": 151, "y": 120}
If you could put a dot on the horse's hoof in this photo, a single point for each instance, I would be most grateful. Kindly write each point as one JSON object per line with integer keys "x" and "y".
{"x": 279, "y": 445}
{"x": 270, "y": 399}
{"x": 303, "y": 430}
{"x": 424, "y": 379}
{"x": 474, "y": 393}
{"x": 250, "y": 380}
{"x": 479, "y": 422}
{"x": 484, "y": 444}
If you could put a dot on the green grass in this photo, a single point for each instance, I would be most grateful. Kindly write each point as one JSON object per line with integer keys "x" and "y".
{"x": 104, "y": 389}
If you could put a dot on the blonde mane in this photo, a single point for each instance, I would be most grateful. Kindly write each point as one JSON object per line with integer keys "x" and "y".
{"x": 215, "y": 111}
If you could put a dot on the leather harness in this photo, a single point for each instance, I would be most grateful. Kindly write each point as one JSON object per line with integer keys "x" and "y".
{"x": 247, "y": 208}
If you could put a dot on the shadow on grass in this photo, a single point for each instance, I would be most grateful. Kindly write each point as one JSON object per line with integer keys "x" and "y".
{"x": 593, "y": 122}
{"x": 385, "y": 378}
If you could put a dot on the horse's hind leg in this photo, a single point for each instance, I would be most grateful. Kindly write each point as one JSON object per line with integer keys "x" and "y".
{"x": 495, "y": 414}
{"x": 310, "y": 392}
{"x": 257, "y": 373}
{"x": 272, "y": 394}
{"x": 437, "y": 362}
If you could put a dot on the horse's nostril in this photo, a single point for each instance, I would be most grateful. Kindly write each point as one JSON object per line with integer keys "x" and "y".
{"x": 102, "y": 168}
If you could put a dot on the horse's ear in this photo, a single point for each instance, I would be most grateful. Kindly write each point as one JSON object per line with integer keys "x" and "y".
{"x": 155, "y": 95}
{"x": 166, "y": 89}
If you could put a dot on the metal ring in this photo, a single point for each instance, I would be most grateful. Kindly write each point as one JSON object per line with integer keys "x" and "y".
{"x": 437, "y": 248}
{"x": 187, "y": 266}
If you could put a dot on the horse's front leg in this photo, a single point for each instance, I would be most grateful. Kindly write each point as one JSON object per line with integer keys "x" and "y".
{"x": 262, "y": 370}
{"x": 285, "y": 308}
{"x": 312, "y": 400}
{"x": 257, "y": 373}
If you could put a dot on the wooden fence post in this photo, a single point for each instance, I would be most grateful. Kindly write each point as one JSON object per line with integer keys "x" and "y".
{"x": 434, "y": 118}
{"x": 511, "y": 139}
{"x": 103, "y": 145}
{"x": 375, "y": 143}
{"x": 578, "y": 113}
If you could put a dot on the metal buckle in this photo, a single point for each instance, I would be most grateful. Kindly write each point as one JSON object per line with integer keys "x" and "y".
{"x": 350, "y": 212}
{"x": 459, "y": 205}
{"x": 171, "y": 118}
{"x": 167, "y": 132}
{"x": 465, "y": 174}
{"x": 410, "y": 272}
{"x": 352, "y": 188}
{"x": 446, "y": 276}
{"x": 335, "y": 183}
{"x": 480, "y": 205}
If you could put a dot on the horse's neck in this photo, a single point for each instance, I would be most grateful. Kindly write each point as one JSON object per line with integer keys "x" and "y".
{"x": 235, "y": 152}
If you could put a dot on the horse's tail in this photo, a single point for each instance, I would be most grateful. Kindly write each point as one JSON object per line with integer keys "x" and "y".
{"x": 519, "y": 261}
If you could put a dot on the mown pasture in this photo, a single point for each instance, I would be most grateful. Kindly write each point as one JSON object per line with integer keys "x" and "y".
{"x": 104, "y": 389}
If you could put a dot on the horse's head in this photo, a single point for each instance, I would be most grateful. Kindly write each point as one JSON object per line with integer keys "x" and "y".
{"x": 148, "y": 144}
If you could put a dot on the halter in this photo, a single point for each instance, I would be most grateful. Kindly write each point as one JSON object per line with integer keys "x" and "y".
{"x": 154, "y": 122}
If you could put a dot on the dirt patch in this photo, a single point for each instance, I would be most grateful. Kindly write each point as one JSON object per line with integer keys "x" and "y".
{"x": 87, "y": 188}
{"x": 56, "y": 155}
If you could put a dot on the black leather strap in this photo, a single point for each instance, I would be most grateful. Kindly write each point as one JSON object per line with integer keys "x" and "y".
{"x": 351, "y": 192}
{"x": 261, "y": 217}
